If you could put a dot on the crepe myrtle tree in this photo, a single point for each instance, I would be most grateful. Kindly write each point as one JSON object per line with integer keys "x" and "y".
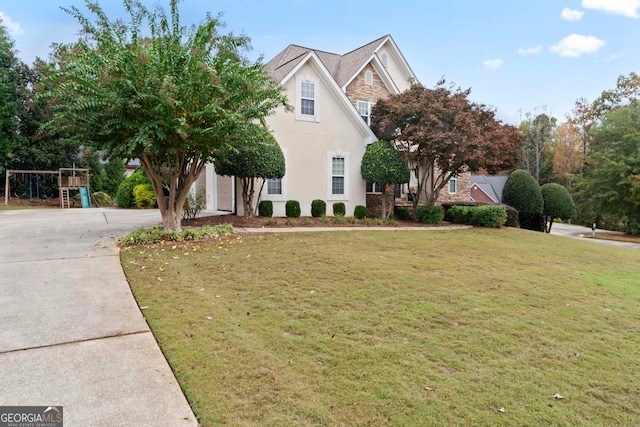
{"x": 174, "y": 97}
{"x": 440, "y": 134}
{"x": 257, "y": 156}
{"x": 383, "y": 165}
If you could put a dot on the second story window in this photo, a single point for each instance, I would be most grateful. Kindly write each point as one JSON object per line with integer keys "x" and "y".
{"x": 364, "y": 109}
{"x": 307, "y": 98}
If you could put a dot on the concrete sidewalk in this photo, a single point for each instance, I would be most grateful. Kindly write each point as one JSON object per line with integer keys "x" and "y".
{"x": 71, "y": 333}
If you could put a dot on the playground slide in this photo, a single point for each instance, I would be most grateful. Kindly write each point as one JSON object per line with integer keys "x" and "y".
{"x": 84, "y": 197}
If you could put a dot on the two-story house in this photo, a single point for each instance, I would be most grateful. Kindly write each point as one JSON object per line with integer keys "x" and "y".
{"x": 326, "y": 135}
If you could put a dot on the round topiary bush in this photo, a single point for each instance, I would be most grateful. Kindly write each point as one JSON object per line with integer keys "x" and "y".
{"x": 523, "y": 193}
{"x": 265, "y": 208}
{"x": 558, "y": 203}
{"x": 292, "y": 209}
{"x": 318, "y": 208}
{"x": 360, "y": 212}
{"x": 339, "y": 209}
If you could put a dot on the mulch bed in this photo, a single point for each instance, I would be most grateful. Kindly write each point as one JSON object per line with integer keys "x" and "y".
{"x": 260, "y": 222}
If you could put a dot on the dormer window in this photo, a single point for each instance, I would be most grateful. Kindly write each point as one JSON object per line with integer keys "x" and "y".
{"x": 368, "y": 78}
{"x": 383, "y": 59}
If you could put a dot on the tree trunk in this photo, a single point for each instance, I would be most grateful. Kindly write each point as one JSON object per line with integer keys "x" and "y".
{"x": 247, "y": 197}
{"x": 171, "y": 220}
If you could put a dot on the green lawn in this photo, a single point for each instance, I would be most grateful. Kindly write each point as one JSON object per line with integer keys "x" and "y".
{"x": 398, "y": 328}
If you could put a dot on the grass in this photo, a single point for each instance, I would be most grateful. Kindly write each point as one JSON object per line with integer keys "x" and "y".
{"x": 14, "y": 208}
{"x": 397, "y": 328}
{"x": 619, "y": 237}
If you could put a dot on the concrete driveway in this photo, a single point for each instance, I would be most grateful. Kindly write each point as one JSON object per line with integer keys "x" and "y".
{"x": 577, "y": 232}
{"x": 71, "y": 333}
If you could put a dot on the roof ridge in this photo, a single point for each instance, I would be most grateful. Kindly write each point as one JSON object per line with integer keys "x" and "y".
{"x": 367, "y": 44}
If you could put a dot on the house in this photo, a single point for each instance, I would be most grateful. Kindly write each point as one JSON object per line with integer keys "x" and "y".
{"x": 326, "y": 135}
{"x": 487, "y": 188}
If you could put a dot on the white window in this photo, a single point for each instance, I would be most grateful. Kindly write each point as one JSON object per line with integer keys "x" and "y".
{"x": 364, "y": 109}
{"x": 337, "y": 176}
{"x": 383, "y": 59}
{"x": 308, "y": 98}
{"x": 274, "y": 187}
{"x": 374, "y": 188}
{"x": 453, "y": 185}
{"x": 368, "y": 78}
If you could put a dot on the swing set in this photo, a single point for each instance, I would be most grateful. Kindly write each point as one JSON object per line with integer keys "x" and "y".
{"x": 68, "y": 179}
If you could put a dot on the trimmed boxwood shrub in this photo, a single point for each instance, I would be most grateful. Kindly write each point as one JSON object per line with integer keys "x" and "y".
{"x": 488, "y": 216}
{"x": 360, "y": 212}
{"x": 144, "y": 196}
{"x": 534, "y": 222}
{"x": 292, "y": 209}
{"x": 557, "y": 203}
{"x": 318, "y": 208}
{"x": 265, "y": 208}
{"x": 339, "y": 209}
{"x": 460, "y": 214}
{"x": 431, "y": 214}
{"x": 403, "y": 214}
{"x": 124, "y": 196}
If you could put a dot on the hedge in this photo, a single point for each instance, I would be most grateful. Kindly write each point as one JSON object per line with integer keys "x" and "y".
{"x": 318, "y": 208}
{"x": 265, "y": 208}
{"x": 339, "y": 209}
{"x": 431, "y": 214}
{"x": 360, "y": 212}
{"x": 292, "y": 209}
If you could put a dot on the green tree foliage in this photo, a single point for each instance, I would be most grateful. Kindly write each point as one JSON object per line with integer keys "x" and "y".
{"x": 557, "y": 204}
{"x": 441, "y": 133}
{"x": 383, "y": 164}
{"x": 13, "y": 93}
{"x": 611, "y": 180}
{"x": 523, "y": 193}
{"x": 257, "y": 156}
{"x": 125, "y": 197}
{"x": 537, "y": 148}
{"x": 150, "y": 88}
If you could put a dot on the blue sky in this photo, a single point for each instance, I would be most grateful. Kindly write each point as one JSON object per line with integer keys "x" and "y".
{"x": 516, "y": 55}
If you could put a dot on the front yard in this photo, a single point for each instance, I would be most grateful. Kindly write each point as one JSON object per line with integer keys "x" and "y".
{"x": 473, "y": 327}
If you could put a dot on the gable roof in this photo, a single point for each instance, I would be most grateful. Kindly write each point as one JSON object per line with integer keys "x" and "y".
{"x": 343, "y": 68}
{"x": 491, "y": 185}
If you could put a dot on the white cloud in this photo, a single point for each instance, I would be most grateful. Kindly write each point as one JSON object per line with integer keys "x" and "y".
{"x": 493, "y": 64}
{"x": 12, "y": 27}
{"x": 571, "y": 15}
{"x": 627, "y": 8}
{"x": 575, "y": 45}
{"x": 530, "y": 51}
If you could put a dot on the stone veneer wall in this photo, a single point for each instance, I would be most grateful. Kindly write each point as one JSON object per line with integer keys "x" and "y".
{"x": 358, "y": 90}
{"x": 463, "y": 190}
{"x": 374, "y": 202}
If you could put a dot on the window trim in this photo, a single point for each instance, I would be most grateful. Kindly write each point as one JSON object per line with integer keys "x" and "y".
{"x": 453, "y": 180}
{"x": 374, "y": 186}
{"x": 330, "y": 156}
{"x": 369, "y": 108}
{"x": 315, "y": 117}
{"x": 277, "y": 197}
{"x": 368, "y": 77}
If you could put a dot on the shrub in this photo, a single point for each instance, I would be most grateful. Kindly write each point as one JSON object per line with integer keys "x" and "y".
{"x": 557, "y": 202}
{"x": 431, "y": 214}
{"x": 360, "y": 212}
{"x": 102, "y": 198}
{"x": 124, "y": 196}
{"x": 318, "y": 208}
{"x": 194, "y": 204}
{"x": 403, "y": 214}
{"x": 145, "y": 236}
{"x": 512, "y": 216}
{"x": 292, "y": 209}
{"x": 460, "y": 214}
{"x": 265, "y": 208}
{"x": 494, "y": 216}
{"x": 532, "y": 221}
{"x": 523, "y": 193}
{"x": 144, "y": 196}
{"x": 339, "y": 209}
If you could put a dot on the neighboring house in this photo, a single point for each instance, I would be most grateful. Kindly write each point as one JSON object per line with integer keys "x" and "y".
{"x": 487, "y": 188}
